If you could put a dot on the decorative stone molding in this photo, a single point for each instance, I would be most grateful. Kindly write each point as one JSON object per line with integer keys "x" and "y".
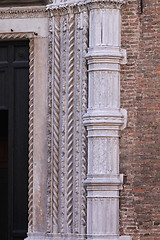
{"x": 23, "y": 12}
{"x": 73, "y": 3}
{"x": 16, "y": 36}
{"x": 67, "y": 104}
{"x": 37, "y": 108}
{"x": 30, "y": 36}
{"x": 31, "y": 129}
{"x": 56, "y": 122}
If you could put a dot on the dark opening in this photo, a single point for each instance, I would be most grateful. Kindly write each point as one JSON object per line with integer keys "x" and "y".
{"x": 4, "y": 173}
{"x": 14, "y": 112}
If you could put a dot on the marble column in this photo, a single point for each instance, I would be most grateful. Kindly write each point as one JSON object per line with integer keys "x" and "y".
{"x": 104, "y": 120}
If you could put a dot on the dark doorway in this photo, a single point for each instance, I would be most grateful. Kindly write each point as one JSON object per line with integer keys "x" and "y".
{"x": 14, "y": 112}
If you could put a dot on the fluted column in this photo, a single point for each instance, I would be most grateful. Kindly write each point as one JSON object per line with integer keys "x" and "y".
{"x": 104, "y": 120}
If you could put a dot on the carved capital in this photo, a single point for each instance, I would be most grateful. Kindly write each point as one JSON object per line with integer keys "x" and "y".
{"x": 90, "y": 3}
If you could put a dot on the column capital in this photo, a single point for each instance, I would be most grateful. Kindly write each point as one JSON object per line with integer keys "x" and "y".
{"x": 91, "y": 3}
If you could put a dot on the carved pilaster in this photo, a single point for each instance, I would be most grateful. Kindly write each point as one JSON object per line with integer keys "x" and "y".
{"x": 67, "y": 134}
{"x": 104, "y": 120}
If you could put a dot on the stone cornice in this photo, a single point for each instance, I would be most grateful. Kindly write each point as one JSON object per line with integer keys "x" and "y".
{"x": 90, "y": 3}
{"x": 17, "y": 35}
{"x": 40, "y": 11}
{"x": 12, "y": 12}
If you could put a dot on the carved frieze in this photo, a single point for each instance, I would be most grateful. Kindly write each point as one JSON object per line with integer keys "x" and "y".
{"x": 64, "y": 4}
{"x": 23, "y": 12}
{"x": 12, "y": 3}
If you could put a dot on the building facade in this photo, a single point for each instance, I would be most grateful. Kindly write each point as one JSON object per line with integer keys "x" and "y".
{"x": 94, "y": 109}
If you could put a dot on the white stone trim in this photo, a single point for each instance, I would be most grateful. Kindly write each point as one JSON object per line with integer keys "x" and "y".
{"x": 73, "y": 3}
{"x": 25, "y": 25}
{"x": 125, "y": 238}
{"x": 30, "y": 36}
{"x": 35, "y": 31}
{"x": 104, "y": 121}
{"x": 23, "y": 12}
{"x": 67, "y": 103}
{"x": 44, "y": 236}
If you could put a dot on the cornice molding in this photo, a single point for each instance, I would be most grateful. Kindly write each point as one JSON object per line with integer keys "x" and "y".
{"x": 39, "y": 11}
{"x": 17, "y": 35}
{"x": 12, "y": 12}
{"x": 90, "y": 3}
{"x": 104, "y": 54}
{"x": 107, "y": 180}
{"x": 111, "y": 119}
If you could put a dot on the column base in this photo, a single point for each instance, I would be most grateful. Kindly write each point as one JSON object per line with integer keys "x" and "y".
{"x": 108, "y": 237}
{"x": 36, "y": 236}
{"x": 51, "y": 236}
{"x": 125, "y": 238}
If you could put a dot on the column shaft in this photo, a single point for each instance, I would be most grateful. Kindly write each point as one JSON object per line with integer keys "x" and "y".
{"x": 104, "y": 120}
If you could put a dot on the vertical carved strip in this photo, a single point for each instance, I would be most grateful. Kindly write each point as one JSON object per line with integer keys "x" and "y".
{"x": 84, "y": 133}
{"x": 49, "y": 128}
{"x": 31, "y": 113}
{"x": 70, "y": 124}
{"x": 56, "y": 118}
{"x": 77, "y": 124}
{"x": 63, "y": 111}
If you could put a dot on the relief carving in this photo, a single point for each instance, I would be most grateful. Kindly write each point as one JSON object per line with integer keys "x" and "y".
{"x": 23, "y": 12}
{"x": 55, "y": 121}
{"x": 69, "y": 102}
{"x": 31, "y": 127}
{"x": 70, "y": 121}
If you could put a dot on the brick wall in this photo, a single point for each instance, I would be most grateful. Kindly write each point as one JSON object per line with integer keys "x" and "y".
{"x": 140, "y": 141}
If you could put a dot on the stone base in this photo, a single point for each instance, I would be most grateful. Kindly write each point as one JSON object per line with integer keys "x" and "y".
{"x": 51, "y": 236}
{"x": 108, "y": 237}
{"x": 125, "y": 238}
{"x": 44, "y": 236}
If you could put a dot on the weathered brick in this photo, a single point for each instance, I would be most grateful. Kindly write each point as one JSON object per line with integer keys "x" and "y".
{"x": 140, "y": 141}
